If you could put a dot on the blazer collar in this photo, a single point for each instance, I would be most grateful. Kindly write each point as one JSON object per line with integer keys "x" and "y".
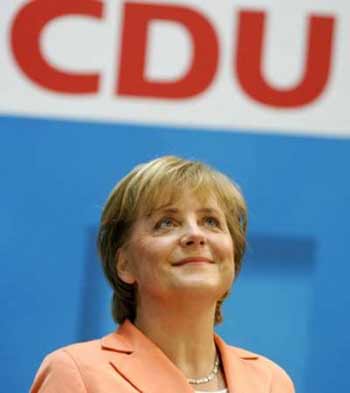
{"x": 148, "y": 370}
{"x": 241, "y": 371}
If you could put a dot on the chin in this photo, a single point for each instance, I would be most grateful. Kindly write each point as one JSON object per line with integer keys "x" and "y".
{"x": 200, "y": 286}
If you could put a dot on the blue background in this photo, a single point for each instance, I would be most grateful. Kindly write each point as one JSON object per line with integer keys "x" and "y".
{"x": 291, "y": 301}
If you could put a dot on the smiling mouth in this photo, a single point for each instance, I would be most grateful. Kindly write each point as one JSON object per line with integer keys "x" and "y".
{"x": 193, "y": 260}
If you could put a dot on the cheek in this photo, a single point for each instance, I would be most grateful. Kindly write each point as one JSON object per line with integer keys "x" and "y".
{"x": 149, "y": 253}
{"x": 225, "y": 249}
{"x": 160, "y": 247}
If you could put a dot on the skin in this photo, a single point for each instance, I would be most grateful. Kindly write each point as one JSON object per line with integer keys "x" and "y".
{"x": 181, "y": 257}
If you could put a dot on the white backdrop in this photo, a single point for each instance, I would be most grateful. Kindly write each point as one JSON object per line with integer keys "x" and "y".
{"x": 92, "y": 45}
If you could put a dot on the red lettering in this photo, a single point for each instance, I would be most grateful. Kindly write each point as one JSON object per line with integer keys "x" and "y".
{"x": 132, "y": 78}
{"x": 25, "y": 40}
{"x": 317, "y": 64}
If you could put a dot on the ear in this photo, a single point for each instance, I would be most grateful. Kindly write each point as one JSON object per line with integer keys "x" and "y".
{"x": 123, "y": 266}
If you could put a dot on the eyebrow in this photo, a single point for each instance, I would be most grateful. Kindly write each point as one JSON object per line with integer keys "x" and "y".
{"x": 163, "y": 209}
{"x": 209, "y": 210}
{"x": 174, "y": 210}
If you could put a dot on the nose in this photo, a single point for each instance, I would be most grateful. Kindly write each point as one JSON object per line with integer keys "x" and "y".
{"x": 193, "y": 236}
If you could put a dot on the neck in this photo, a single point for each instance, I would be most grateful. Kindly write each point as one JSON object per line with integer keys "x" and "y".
{"x": 184, "y": 332}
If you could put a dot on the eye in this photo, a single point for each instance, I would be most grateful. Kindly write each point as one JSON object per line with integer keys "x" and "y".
{"x": 165, "y": 223}
{"x": 212, "y": 222}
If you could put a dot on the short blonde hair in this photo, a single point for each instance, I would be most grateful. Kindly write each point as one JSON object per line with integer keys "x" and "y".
{"x": 144, "y": 189}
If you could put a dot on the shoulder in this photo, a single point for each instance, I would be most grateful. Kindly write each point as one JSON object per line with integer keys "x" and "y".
{"x": 264, "y": 369}
{"x": 66, "y": 364}
{"x": 77, "y": 353}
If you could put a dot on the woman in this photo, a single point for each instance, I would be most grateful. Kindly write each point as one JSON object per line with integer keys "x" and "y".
{"x": 171, "y": 239}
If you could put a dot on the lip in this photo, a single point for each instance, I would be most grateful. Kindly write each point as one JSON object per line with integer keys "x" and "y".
{"x": 186, "y": 261}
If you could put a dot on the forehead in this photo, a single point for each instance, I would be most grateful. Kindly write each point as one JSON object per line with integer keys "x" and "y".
{"x": 179, "y": 198}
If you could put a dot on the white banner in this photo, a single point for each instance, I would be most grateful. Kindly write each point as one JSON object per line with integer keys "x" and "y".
{"x": 263, "y": 65}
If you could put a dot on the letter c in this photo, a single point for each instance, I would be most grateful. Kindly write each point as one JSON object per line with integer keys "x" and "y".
{"x": 26, "y": 30}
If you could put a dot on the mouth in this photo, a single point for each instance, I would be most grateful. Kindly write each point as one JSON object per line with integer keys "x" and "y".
{"x": 192, "y": 260}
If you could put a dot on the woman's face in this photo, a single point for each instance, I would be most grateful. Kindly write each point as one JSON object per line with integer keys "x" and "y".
{"x": 178, "y": 249}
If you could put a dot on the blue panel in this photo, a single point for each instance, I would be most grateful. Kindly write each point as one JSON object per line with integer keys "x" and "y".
{"x": 291, "y": 300}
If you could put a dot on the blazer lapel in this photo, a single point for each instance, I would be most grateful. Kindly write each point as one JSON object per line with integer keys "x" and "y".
{"x": 242, "y": 375}
{"x": 148, "y": 370}
{"x": 142, "y": 363}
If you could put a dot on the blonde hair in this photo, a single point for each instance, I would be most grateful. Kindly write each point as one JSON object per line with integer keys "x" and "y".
{"x": 144, "y": 189}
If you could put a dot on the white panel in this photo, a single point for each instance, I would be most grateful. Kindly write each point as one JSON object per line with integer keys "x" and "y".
{"x": 85, "y": 44}
{"x": 166, "y": 39}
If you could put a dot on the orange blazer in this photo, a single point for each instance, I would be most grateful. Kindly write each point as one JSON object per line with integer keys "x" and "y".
{"x": 126, "y": 361}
